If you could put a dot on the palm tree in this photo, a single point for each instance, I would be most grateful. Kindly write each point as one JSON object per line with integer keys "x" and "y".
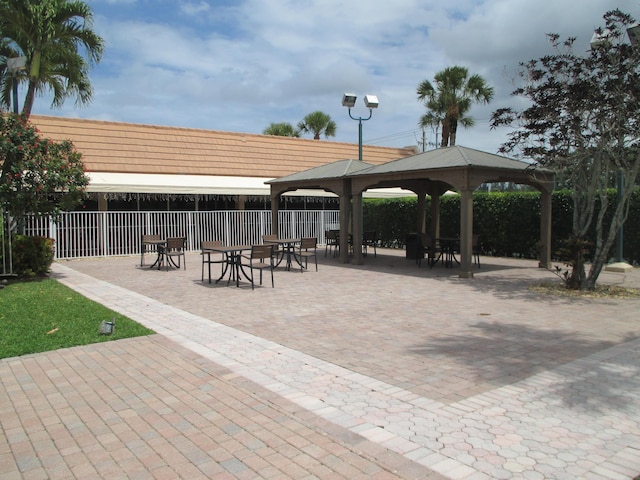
{"x": 55, "y": 36}
{"x": 318, "y": 123}
{"x": 451, "y": 99}
{"x": 282, "y": 129}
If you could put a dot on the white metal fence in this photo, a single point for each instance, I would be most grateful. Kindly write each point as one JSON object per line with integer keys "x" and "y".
{"x": 100, "y": 234}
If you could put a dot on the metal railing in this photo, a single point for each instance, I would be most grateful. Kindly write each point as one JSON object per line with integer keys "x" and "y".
{"x": 102, "y": 234}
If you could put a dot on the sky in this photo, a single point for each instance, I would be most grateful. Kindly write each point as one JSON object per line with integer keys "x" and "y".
{"x": 239, "y": 65}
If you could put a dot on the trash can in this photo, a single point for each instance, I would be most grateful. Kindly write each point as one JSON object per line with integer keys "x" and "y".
{"x": 411, "y": 244}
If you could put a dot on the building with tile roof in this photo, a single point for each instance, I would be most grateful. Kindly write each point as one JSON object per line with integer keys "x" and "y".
{"x": 157, "y": 164}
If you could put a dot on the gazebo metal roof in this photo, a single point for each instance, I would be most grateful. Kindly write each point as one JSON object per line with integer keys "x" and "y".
{"x": 449, "y": 157}
{"x": 441, "y": 164}
{"x": 339, "y": 169}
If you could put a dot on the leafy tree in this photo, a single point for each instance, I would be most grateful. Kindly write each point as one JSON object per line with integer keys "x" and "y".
{"x": 283, "y": 129}
{"x": 318, "y": 123}
{"x": 39, "y": 176}
{"x": 449, "y": 101}
{"x": 55, "y": 36}
{"x": 583, "y": 123}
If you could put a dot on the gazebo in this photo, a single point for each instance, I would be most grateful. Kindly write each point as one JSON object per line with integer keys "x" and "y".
{"x": 430, "y": 173}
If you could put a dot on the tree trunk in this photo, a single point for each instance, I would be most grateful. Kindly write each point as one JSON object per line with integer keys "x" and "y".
{"x": 594, "y": 272}
{"x": 29, "y": 99}
{"x": 34, "y": 75}
{"x": 577, "y": 248}
{"x": 578, "y": 278}
{"x": 445, "y": 133}
{"x": 453, "y": 130}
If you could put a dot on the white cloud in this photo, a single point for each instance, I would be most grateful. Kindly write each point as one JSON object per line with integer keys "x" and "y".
{"x": 194, "y": 8}
{"x": 240, "y": 65}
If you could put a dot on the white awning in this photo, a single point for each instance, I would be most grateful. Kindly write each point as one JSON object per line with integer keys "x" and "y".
{"x": 175, "y": 184}
{"x": 101, "y": 182}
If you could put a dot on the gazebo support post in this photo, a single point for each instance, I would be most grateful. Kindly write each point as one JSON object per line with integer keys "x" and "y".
{"x": 345, "y": 211}
{"x": 358, "y": 259}
{"x": 466, "y": 233}
{"x": 275, "y": 201}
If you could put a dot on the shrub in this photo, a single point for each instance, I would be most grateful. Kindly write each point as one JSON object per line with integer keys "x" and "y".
{"x": 508, "y": 222}
{"x": 32, "y": 255}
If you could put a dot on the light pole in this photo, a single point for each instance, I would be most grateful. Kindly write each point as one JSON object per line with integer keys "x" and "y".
{"x": 14, "y": 65}
{"x": 371, "y": 102}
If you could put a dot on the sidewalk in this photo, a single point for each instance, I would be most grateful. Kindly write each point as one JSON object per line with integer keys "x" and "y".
{"x": 376, "y": 371}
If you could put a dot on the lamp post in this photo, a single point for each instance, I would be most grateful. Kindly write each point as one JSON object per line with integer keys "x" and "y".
{"x": 371, "y": 102}
{"x": 14, "y": 65}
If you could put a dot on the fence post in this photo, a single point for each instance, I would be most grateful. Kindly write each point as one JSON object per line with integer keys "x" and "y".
{"x": 293, "y": 225}
{"x": 189, "y": 228}
{"x": 226, "y": 230}
{"x": 105, "y": 233}
{"x": 53, "y": 233}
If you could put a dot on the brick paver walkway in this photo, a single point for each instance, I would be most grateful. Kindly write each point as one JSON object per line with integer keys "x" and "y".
{"x": 375, "y": 371}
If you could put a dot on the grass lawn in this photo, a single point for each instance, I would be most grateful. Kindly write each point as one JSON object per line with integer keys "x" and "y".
{"x": 42, "y": 315}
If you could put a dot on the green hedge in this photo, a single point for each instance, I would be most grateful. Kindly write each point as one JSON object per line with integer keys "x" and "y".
{"x": 508, "y": 222}
{"x": 392, "y": 219}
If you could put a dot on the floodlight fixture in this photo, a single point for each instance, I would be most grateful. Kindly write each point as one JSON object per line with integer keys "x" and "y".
{"x": 371, "y": 101}
{"x": 349, "y": 100}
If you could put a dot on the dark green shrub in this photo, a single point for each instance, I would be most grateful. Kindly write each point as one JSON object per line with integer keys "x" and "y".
{"x": 32, "y": 255}
{"x": 508, "y": 222}
{"x": 391, "y": 219}
{"x": 449, "y": 216}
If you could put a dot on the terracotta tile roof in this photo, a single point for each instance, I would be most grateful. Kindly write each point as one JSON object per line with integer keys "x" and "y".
{"x": 134, "y": 148}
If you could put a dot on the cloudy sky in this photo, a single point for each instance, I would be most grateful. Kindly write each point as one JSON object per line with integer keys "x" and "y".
{"x": 239, "y": 65}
